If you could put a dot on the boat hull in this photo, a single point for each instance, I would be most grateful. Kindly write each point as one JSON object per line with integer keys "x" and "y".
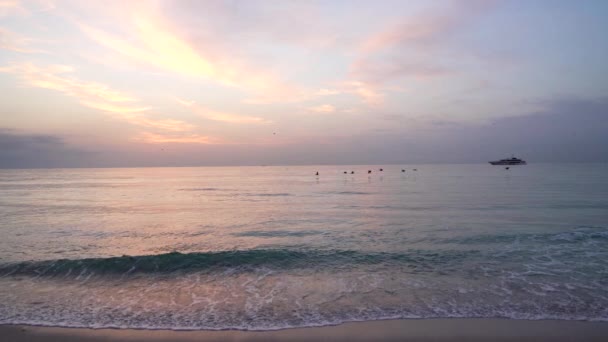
{"x": 508, "y": 162}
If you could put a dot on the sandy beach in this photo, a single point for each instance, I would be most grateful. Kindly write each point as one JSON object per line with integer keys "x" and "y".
{"x": 389, "y": 330}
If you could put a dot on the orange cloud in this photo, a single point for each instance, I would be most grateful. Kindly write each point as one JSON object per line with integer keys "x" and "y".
{"x": 326, "y": 108}
{"x": 14, "y": 42}
{"x": 162, "y": 124}
{"x": 327, "y": 92}
{"x": 369, "y": 92}
{"x": 221, "y": 116}
{"x": 9, "y": 7}
{"x": 155, "y": 138}
{"x": 366, "y": 91}
{"x": 152, "y": 42}
{"x": 96, "y": 96}
{"x": 90, "y": 94}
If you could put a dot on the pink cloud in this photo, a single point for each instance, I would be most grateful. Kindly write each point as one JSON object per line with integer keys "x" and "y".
{"x": 383, "y": 70}
{"x": 403, "y": 48}
{"x": 427, "y": 28}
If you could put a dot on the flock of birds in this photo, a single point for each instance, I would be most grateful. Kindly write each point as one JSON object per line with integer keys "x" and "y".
{"x": 368, "y": 171}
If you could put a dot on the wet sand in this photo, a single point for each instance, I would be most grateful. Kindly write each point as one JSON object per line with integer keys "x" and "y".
{"x": 389, "y": 330}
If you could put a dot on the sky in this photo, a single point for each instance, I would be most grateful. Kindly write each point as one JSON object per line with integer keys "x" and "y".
{"x": 193, "y": 82}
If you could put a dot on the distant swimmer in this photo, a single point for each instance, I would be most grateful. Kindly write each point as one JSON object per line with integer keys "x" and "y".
{"x": 369, "y": 171}
{"x": 415, "y": 169}
{"x": 317, "y": 173}
{"x": 381, "y": 170}
{"x": 506, "y": 168}
{"x": 352, "y": 172}
{"x": 345, "y": 172}
{"x": 402, "y": 170}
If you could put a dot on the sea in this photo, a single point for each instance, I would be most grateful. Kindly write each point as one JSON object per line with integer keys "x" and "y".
{"x": 272, "y": 247}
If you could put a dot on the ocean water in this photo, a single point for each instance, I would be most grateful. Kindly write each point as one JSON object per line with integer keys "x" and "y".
{"x": 274, "y": 247}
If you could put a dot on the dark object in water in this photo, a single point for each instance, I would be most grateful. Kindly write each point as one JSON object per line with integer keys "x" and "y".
{"x": 415, "y": 169}
{"x": 506, "y": 168}
{"x": 345, "y": 172}
{"x": 381, "y": 170}
{"x": 509, "y": 161}
{"x": 402, "y": 170}
{"x": 369, "y": 171}
{"x": 317, "y": 173}
{"x": 352, "y": 172}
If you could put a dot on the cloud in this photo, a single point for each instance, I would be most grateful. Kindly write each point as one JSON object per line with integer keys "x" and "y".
{"x": 300, "y": 24}
{"x": 326, "y": 108}
{"x": 12, "y": 7}
{"x": 563, "y": 130}
{"x": 368, "y": 92}
{"x": 155, "y": 138}
{"x": 150, "y": 40}
{"x": 24, "y": 8}
{"x": 385, "y": 70}
{"x": 392, "y": 117}
{"x": 404, "y": 48}
{"x": 221, "y": 116}
{"x": 170, "y": 125}
{"x": 327, "y": 92}
{"x": 90, "y": 94}
{"x": 19, "y": 150}
{"x": 95, "y": 95}
{"x": 426, "y": 29}
{"x": 14, "y": 42}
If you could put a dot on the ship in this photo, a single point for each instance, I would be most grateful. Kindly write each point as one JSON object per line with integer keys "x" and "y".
{"x": 509, "y": 161}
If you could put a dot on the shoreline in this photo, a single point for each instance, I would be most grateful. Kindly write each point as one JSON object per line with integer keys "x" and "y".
{"x": 440, "y": 329}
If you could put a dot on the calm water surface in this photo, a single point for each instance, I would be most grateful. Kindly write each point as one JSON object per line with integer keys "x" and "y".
{"x": 274, "y": 247}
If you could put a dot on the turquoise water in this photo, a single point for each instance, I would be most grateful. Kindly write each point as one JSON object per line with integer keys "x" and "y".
{"x": 274, "y": 247}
